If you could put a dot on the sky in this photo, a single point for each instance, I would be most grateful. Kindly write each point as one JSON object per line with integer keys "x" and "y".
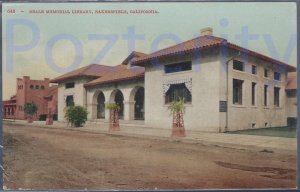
{"x": 43, "y": 45}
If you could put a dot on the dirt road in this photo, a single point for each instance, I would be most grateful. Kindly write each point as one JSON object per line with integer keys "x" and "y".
{"x": 41, "y": 158}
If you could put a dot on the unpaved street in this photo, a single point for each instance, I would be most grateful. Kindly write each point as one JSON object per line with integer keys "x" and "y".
{"x": 42, "y": 158}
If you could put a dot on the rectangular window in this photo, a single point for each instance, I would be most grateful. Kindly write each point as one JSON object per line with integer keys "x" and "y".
{"x": 277, "y": 76}
{"x": 276, "y": 96}
{"x": 70, "y": 101}
{"x": 176, "y": 92}
{"x": 253, "y": 93}
{"x": 265, "y": 95}
{"x": 238, "y": 65}
{"x": 178, "y": 67}
{"x": 266, "y": 73}
{"x": 70, "y": 85}
{"x": 254, "y": 70}
{"x": 238, "y": 91}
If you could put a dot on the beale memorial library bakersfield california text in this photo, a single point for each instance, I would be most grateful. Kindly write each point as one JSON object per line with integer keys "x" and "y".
{"x": 225, "y": 87}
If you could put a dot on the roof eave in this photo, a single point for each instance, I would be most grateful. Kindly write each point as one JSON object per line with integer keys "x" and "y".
{"x": 87, "y": 85}
{"x": 143, "y": 62}
{"x": 59, "y": 80}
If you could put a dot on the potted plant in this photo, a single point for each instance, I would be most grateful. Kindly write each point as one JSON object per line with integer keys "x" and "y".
{"x": 76, "y": 115}
{"x": 177, "y": 109}
{"x": 113, "y": 117}
{"x": 30, "y": 109}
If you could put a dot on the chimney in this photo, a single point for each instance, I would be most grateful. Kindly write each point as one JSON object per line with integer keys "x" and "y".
{"x": 207, "y": 31}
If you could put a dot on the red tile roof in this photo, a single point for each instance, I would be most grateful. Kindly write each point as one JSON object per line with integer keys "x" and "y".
{"x": 202, "y": 42}
{"x": 93, "y": 70}
{"x": 118, "y": 73}
{"x": 133, "y": 55}
{"x": 187, "y": 46}
{"x": 292, "y": 81}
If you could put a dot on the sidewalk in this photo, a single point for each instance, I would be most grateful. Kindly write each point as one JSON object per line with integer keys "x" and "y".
{"x": 221, "y": 139}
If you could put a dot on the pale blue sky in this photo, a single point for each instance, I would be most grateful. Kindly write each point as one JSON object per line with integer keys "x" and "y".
{"x": 276, "y": 20}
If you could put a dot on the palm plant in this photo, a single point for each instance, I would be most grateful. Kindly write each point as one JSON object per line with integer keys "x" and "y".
{"x": 113, "y": 116}
{"x": 177, "y": 109}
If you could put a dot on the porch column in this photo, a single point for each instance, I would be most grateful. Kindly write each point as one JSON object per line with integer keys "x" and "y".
{"x": 93, "y": 109}
{"x": 106, "y": 112}
{"x": 128, "y": 110}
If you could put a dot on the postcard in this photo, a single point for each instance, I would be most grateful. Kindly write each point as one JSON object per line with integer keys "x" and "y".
{"x": 149, "y": 95}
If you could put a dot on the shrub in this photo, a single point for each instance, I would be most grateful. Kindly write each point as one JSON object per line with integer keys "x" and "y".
{"x": 30, "y": 108}
{"x": 76, "y": 115}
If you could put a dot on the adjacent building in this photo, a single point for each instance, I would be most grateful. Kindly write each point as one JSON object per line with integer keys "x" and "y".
{"x": 291, "y": 101}
{"x": 225, "y": 87}
{"x": 38, "y": 91}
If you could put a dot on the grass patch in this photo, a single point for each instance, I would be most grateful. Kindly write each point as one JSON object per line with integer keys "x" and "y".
{"x": 289, "y": 132}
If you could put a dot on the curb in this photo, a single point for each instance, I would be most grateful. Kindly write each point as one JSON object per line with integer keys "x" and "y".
{"x": 238, "y": 146}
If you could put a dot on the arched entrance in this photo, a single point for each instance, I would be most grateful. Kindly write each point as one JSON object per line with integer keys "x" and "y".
{"x": 139, "y": 104}
{"x": 119, "y": 99}
{"x": 100, "y": 106}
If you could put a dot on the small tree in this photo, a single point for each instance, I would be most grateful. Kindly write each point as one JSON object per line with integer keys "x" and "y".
{"x": 177, "y": 109}
{"x": 113, "y": 116}
{"x": 76, "y": 115}
{"x": 30, "y": 109}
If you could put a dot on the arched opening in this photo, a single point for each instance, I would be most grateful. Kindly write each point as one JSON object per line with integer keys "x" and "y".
{"x": 119, "y": 99}
{"x": 100, "y": 106}
{"x": 139, "y": 110}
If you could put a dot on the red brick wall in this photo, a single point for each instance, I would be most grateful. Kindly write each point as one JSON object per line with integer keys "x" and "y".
{"x": 33, "y": 91}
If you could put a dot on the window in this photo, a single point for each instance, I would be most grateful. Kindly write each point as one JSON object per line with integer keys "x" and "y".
{"x": 31, "y": 87}
{"x": 277, "y": 76}
{"x": 253, "y": 93}
{"x": 183, "y": 66}
{"x": 254, "y": 71}
{"x": 265, "y": 95}
{"x": 70, "y": 101}
{"x": 42, "y": 87}
{"x": 276, "y": 96}
{"x": 70, "y": 85}
{"x": 238, "y": 65}
{"x": 37, "y": 87}
{"x": 178, "y": 91}
{"x": 238, "y": 91}
{"x": 266, "y": 73}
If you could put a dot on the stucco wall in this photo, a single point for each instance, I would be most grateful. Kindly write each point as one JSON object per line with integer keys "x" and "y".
{"x": 246, "y": 116}
{"x": 78, "y": 93}
{"x": 203, "y": 113}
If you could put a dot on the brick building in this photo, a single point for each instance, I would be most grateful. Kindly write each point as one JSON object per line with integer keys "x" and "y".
{"x": 38, "y": 91}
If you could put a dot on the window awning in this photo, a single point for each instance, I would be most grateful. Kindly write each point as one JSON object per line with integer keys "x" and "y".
{"x": 187, "y": 82}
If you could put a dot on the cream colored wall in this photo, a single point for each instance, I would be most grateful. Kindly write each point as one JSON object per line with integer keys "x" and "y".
{"x": 126, "y": 87}
{"x": 203, "y": 113}
{"x": 78, "y": 93}
{"x": 243, "y": 116}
